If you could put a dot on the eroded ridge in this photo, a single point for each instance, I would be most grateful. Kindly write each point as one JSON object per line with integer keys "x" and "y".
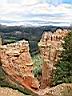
{"x": 17, "y": 63}
{"x": 50, "y": 47}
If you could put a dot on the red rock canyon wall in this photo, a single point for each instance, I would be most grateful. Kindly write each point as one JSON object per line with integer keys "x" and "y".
{"x": 50, "y": 47}
{"x": 17, "y": 63}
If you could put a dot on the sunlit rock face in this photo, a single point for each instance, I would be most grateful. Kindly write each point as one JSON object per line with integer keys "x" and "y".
{"x": 50, "y": 47}
{"x": 59, "y": 90}
{"x": 17, "y": 63}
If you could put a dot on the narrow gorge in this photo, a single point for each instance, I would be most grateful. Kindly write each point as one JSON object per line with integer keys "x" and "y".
{"x": 17, "y": 63}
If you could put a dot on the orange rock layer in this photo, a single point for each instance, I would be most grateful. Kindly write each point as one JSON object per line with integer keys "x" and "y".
{"x": 50, "y": 47}
{"x": 17, "y": 63}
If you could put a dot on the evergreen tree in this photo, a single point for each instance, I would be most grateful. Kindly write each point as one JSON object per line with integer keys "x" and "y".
{"x": 63, "y": 72}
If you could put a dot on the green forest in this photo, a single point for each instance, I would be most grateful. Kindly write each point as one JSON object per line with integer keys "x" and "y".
{"x": 31, "y": 34}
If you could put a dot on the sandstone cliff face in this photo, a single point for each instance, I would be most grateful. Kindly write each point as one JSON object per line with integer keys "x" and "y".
{"x": 17, "y": 64}
{"x": 50, "y": 47}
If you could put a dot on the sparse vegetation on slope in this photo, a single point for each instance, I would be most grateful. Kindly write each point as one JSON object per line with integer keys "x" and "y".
{"x": 37, "y": 60}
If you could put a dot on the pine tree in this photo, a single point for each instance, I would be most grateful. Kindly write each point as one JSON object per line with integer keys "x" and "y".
{"x": 63, "y": 72}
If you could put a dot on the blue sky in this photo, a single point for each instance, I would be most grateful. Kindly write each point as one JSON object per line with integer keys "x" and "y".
{"x": 67, "y": 1}
{"x": 36, "y": 12}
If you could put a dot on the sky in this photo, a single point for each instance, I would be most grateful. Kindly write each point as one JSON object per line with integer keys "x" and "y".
{"x": 36, "y": 12}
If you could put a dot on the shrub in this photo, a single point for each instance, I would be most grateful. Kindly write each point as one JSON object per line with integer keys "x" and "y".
{"x": 37, "y": 60}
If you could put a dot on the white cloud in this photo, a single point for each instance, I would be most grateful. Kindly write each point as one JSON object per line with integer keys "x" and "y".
{"x": 25, "y": 2}
{"x": 34, "y": 10}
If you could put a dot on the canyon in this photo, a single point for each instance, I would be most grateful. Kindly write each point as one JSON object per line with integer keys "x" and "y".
{"x": 17, "y": 63}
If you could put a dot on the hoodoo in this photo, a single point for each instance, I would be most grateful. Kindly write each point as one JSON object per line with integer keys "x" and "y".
{"x": 50, "y": 47}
